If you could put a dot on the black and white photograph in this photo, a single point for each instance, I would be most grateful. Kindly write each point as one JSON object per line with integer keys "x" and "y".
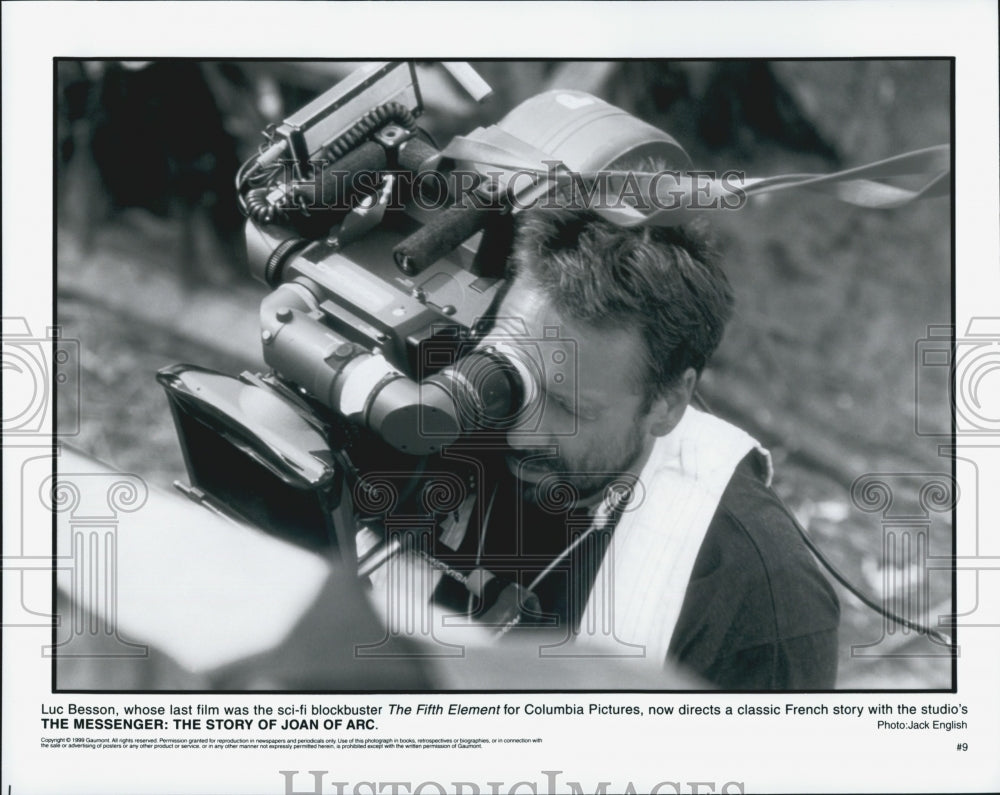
{"x": 365, "y": 405}
{"x": 596, "y": 373}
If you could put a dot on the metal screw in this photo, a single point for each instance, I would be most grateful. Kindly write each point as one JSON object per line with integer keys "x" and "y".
{"x": 267, "y": 336}
{"x": 284, "y": 314}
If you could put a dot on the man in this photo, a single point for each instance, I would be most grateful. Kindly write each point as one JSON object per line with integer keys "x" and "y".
{"x": 639, "y": 523}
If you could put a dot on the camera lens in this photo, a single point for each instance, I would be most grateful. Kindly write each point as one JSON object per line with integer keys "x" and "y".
{"x": 489, "y": 389}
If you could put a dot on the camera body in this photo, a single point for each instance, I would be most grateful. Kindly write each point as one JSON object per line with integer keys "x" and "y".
{"x": 387, "y": 261}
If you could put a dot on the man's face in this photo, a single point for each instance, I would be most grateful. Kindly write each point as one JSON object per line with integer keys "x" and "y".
{"x": 589, "y": 426}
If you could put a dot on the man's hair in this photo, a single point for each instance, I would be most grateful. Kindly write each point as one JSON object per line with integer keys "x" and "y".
{"x": 664, "y": 282}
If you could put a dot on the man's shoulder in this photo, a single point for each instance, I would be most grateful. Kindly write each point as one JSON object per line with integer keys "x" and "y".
{"x": 758, "y": 613}
{"x": 752, "y": 521}
{"x": 754, "y": 553}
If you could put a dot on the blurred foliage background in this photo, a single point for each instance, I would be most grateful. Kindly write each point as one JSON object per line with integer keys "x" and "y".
{"x": 832, "y": 301}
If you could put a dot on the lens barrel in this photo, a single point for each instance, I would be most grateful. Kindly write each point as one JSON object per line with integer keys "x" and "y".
{"x": 490, "y": 392}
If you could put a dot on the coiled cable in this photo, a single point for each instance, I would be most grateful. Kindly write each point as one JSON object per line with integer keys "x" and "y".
{"x": 373, "y": 120}
{"x": 254, "y": 204}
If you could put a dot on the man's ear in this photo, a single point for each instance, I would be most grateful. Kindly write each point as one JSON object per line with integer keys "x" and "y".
{"x": 668, "y": 407}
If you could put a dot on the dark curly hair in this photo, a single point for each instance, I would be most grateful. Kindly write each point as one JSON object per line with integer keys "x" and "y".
{"x": 664, "y": 282}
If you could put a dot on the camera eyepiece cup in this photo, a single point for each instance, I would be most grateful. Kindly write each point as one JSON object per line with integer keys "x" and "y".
{"x": 492, "y": 388}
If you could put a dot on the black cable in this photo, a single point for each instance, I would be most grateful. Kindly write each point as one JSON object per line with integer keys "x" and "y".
{"x": 698, "y": 401}
{"x": 931, "y": 633}
{"x": 241, "y": 176}
{"x": 256, "y": 206}
{"x": 373, "y": 120}
{"x": 253, "y": 203}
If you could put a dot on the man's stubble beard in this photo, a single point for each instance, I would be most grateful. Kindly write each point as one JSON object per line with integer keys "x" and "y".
{"x": 566, "y": 483}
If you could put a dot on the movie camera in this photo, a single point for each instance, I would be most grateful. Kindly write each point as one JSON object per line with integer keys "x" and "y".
{"x": 386, "y": 258}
